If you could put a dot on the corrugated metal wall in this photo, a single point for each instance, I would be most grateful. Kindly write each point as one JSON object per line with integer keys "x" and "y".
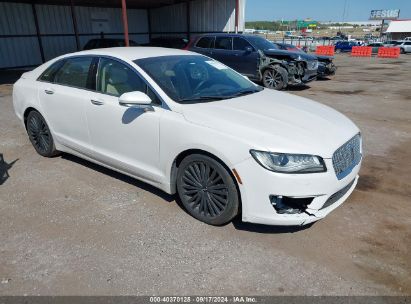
{"x": 171, "y": 18}
{"x": 213, "y": 15}
{"x": 17, "y": 19}
{"x": 57, "y": 30}
{"x": 205, "y": 16}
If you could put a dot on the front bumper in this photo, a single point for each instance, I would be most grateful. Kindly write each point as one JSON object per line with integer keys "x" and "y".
{"x": 259, "y": 184}
{"x": 325, "y": 70}
{"x": 309, "y": 75}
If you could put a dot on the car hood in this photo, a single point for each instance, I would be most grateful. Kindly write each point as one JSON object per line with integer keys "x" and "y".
{"x": 294, "y": 55}
{"x": 275, "y": 121}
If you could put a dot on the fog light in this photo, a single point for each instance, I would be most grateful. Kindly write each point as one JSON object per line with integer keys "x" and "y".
{"x": 289, "y": 205}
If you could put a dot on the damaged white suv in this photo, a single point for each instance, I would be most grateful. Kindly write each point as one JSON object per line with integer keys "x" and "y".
{"x": 190, "y": 125}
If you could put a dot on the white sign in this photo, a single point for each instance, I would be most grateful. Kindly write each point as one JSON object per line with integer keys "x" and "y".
{"x": 100, "y": 22}
{"x": 385, "y": 14}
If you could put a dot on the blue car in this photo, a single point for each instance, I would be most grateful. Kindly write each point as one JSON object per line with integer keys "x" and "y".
{"x": 345, "y": 46}
{"x": 258, "y": 59}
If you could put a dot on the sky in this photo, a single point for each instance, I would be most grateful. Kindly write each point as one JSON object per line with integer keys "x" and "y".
{"x": 321, "y": 10}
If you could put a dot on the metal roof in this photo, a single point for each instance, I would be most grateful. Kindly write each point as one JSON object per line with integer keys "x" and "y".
{"x": 142, "y": 4}
{"x": 399, "y": 26}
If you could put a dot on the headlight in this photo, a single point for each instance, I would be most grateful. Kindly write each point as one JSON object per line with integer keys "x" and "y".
{"x": 289, "y": 163}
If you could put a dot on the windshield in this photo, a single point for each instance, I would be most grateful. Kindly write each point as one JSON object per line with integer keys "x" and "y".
{"x": 261, "y": 43}
{"x": 196, "y": 78}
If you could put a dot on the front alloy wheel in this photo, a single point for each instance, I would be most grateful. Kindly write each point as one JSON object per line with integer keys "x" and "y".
{"x": 207, "y": 190}
{"x": 275, "y": 78}
{"x": 40, "y": 135}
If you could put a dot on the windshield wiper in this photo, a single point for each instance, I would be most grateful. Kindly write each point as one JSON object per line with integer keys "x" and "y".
{"x": 202, "y": 98}
{"x": 244, "y": 92}
{"x": 214, "y": 97}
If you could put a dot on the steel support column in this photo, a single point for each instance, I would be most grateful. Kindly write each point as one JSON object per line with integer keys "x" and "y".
{"x": 188, "y": 19}
{"x": 75, "y": 27}
{"x": 237, "y": 14}
{"x": 36, "y": 23}
{"x": 149, "y": 24}
{"x": 125, "y": 21}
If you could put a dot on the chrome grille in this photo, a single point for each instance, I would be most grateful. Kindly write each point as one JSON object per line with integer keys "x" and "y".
{"x": 347, "y": 157}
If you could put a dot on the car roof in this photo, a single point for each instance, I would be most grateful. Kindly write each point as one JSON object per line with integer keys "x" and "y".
{"x": 230, "y": 35}
{"x": 134, "y": 52}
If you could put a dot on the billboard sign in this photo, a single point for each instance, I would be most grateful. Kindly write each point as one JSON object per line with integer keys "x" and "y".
{"x": 391, "y": 14}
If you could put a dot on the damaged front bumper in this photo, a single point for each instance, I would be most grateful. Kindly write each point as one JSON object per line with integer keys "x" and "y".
{"x": 299, "y": 74}
{"x": 305, "y": 198}
{"x": 326, "y": 69}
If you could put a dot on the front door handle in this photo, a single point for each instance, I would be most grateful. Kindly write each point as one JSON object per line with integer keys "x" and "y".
{"x": 49, "y": 91}
{"x": 96, "y": 102}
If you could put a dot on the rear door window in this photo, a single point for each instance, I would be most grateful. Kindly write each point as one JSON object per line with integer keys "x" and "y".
{"x": 49, "y": 74}
{"x": 205, "y": 43}
{"x": 240, "y": 44}
{"x": 74, "y": 72}
{"x": 224, "y": 43}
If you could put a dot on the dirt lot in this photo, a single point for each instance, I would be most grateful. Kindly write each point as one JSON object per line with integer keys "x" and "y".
{"x": 70, "y": 227}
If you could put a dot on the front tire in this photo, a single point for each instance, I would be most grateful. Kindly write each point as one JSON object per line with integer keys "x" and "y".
{"x": 207, "y": 190}
{"x": 40, "y": 135}
{"x": 275, "y": 78}
{"x": 402, "y": 51}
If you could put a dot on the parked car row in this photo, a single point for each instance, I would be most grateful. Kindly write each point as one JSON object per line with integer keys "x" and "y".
{"x": 275, "y": 65}
{"x": 346, "y": 46}
{"x": 404, "y": 45}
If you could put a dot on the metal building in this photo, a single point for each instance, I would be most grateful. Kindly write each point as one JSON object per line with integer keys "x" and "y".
{"x": 32, "y": 32}
{"x": 399, "y": 29}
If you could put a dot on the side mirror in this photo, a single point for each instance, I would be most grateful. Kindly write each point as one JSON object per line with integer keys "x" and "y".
{"x": 135, "y": 98}
{"x": 248, "y": 49}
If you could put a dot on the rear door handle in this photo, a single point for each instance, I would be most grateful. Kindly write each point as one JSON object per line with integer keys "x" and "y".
{"x": 49, "y": 91}
{"x": 96, "y": 102}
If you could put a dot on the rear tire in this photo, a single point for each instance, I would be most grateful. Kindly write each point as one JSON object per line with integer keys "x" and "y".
{"x": 40, "y": 135}
{"x": 275, "y": 78}
{"x": 402, "y": 51}
{"x": 207, "y": 190}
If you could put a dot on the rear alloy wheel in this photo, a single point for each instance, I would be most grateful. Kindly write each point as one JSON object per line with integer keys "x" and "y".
{"x": 40, "y": 135}
{"x": 207, "y": 190}
{"x": 275, "y": 78}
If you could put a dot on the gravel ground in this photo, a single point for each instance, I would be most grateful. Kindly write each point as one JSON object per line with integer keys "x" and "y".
{"x": 69, "y": 227}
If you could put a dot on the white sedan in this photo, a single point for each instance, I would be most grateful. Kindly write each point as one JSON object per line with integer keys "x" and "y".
{"x": 190, "y": 125}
